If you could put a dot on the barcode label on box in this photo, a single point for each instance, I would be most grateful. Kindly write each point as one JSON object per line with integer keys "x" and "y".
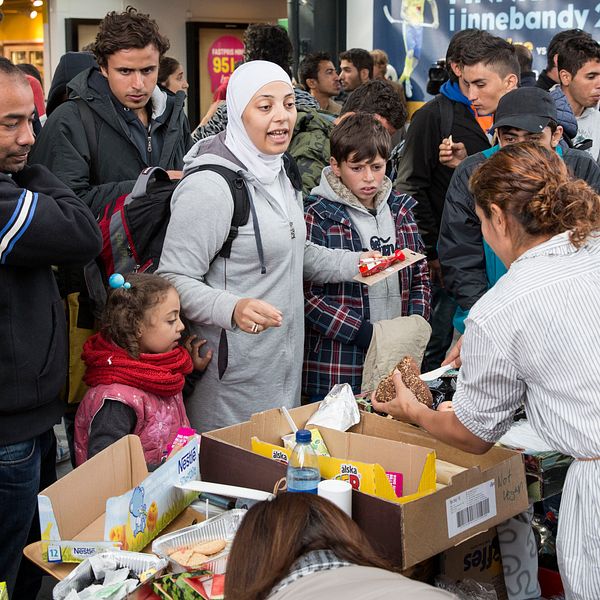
{"x": 471, "y": 507}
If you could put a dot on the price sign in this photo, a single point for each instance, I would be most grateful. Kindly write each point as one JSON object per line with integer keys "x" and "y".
{"x": 223, "y": 55}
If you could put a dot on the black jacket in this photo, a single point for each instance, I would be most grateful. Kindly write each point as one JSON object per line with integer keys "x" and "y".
{"x": 460, "y": 244}
{"x": 42, "y": 223}
{"x": 545, "y": 82}
{"x": 63, "y": 145}
{"x": 420, "y": 173}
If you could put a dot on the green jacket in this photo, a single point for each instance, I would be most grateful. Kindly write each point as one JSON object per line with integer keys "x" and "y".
{"x": 63, "y": 146}
{"x": 310, "y": 146}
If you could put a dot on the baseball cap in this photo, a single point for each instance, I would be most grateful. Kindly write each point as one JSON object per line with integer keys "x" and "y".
{"x": 528, "y": 108}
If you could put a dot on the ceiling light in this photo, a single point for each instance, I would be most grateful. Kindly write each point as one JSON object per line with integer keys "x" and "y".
{"x": 38, "y": 2}
{"x": 1, "y": 2}
{"x": 33, "y": 14}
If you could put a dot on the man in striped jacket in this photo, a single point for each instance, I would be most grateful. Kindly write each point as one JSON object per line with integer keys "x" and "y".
{"x": 42, "y": 223}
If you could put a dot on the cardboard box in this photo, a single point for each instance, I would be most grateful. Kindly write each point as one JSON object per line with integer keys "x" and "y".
{"x": 359, "y": 459}
{"x": 491, "y": 490}
{"x": 478, "y": 559}
{"x": 111, "y": 501}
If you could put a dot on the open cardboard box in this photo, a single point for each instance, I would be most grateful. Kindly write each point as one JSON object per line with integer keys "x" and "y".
{"x": 112, "y": 501}
{"x": 357, "y": 458}
{"x": 491, "y": 490}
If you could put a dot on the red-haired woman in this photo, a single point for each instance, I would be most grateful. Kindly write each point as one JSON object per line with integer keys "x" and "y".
{"x": 534, "y": 340}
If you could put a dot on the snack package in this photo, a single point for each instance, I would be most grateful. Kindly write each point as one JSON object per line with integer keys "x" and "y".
{"x": 3, "y": 591}
{"x": 338, "y": 410}
{"x": 370, "y": 266}
{"x": 317, "y": 442}
{"x": 181, "y": 439}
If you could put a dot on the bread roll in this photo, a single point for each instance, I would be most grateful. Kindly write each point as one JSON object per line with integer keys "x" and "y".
{"x": 409, "y": 371}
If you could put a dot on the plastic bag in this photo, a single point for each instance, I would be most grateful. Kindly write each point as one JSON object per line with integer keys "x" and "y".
{"x": 468, "y": 589}
{"x": 338, "y": 410}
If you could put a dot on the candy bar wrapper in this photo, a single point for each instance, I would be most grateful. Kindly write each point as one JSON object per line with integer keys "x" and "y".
{"x": 317, "y": 442}
{"x": 3, "y": 591}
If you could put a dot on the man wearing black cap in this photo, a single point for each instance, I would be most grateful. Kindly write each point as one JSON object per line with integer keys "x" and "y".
{"x": 469, "y": 266}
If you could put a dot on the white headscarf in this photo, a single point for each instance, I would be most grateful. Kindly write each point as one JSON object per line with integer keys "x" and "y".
{"x": 246, "y": 80}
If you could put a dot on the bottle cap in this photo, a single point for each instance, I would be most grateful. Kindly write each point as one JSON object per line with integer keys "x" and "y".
{"x": 303, "y": 435}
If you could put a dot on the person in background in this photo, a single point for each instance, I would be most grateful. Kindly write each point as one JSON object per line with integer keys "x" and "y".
{"x": 380, "y": 63}
{"x": 528, "y": 78}
{"x": 579, "y": 73}
{"x": 469, "y": 266}
{"x": 548, "y": 78}
{"x": 482, "y": 69}
{"x": 533, "y": 339}
{"x": 355, "y": 208}
{"x": 318, "y": 76}
{"x": 136, "y": 370}
{"x": 69, "y": 65}
{"x": 356, "y": 68}
{"x": 250, "y": 306}
{"x": 262, "y": 41}
{"x": 310, "y": 145}
{"x": 42, "y": 223}
{"x": 301, "y": 546}
{"x": 135, "y": 124}
{"x": 171, "y": 75}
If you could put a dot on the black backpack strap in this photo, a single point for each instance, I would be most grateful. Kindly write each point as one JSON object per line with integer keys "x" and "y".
{"x": 446, "y": 115}
{"x": 241, "y": 202}
{"x": 292, "y": 171}
{"x": 89, "y": 127}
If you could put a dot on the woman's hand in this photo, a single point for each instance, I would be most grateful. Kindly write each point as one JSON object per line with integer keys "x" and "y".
{"x": 404, "y": 406}
{"x": 254, "y": 316}
{"x": 454, "y": 354}
{"x": 193, "y": 345}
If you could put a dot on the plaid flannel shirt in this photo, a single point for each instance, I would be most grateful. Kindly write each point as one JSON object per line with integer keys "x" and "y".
{"x": 335, "y": 311}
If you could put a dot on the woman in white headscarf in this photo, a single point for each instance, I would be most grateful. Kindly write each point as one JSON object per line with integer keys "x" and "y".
{"x": 248, "y": 306}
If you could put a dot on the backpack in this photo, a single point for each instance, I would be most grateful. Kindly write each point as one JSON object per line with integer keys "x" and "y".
{"x": 134, "y": 225}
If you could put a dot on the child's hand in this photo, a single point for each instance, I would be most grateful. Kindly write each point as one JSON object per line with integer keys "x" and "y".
{"x": 193, "y": 345}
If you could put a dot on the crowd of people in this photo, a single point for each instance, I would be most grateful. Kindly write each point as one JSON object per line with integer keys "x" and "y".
{"x": 495, "y": 181}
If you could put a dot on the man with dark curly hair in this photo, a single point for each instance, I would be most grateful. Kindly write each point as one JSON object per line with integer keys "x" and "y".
{"x": 118, "y": 121}
{"x": 319, "y": 78}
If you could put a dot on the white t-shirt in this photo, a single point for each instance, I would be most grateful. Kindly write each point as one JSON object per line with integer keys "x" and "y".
{"x": 588, "y": 128}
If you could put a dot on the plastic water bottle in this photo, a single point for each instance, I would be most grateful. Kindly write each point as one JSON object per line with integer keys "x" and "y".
{"x": 303, "y": 473}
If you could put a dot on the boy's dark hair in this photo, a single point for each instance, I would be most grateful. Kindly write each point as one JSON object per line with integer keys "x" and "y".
{"x": 360, "y": 58}
{"x": 524, "y": 57}
{"x": 493, "y": 52}
{"x": 309, "y": 67}
{"x": 126, "y": 308}
{"x": 166, "y": 68}
{"x": 265, "y": 41}
{"x": 576, "y": 53}
{"x": 129, "y": 29}
{"x": 381, "y": 98}
{"x": 360, "y": 136}
{"x": 557, "y": 43}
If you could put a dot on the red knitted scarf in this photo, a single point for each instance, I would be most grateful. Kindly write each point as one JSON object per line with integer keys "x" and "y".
{"x": 160, "y": 374}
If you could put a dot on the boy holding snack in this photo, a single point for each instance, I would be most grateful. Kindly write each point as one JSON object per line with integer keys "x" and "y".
{"x": 355, "y": 208}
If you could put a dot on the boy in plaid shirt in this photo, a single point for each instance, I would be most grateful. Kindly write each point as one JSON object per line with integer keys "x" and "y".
{"x": 355, "y": 208}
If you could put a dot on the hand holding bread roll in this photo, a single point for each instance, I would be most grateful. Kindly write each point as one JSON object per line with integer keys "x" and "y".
{"x": 409, "y": 371}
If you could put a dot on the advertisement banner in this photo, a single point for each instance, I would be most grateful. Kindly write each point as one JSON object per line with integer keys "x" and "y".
{"x": 223, "y": 55}
{"x": 415, "y": 33}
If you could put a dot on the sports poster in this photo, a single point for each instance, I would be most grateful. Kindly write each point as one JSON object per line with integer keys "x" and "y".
{"x": 415, "y": 33}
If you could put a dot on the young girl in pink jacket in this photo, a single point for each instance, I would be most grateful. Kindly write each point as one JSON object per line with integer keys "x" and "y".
{"x": 136, "y": 370}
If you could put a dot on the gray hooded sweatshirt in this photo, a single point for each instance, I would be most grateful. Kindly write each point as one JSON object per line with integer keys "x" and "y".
{"x": 376, "y": 230}
{"x": 263, "y": 371}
